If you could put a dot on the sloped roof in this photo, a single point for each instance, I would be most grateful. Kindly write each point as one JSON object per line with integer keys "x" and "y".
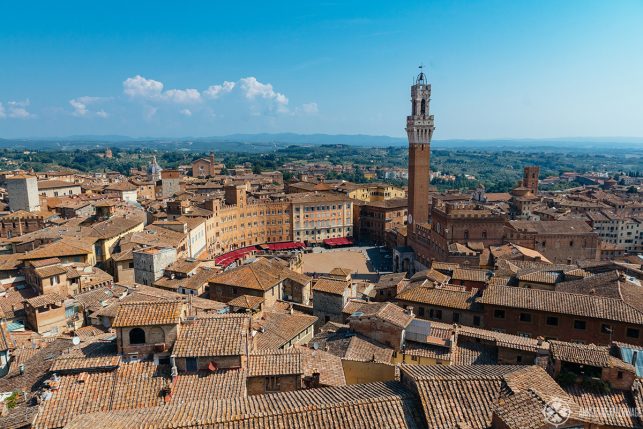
{"x": 222, "y": 335}
{"x": 147, "y": 313}
{"x": 563, "y": 303}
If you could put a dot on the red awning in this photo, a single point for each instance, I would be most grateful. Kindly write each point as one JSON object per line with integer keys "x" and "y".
{"x": 230, "y": 257}
{"x": 341, "y": 241}
{"x": 289, "y": 245}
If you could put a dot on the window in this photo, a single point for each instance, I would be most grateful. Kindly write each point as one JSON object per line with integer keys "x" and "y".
{"x": 456, "y": 317}
{"x": 191, "y": 364}
{"x": 137, "y": 336}
{"x": 552, "y": 320}
{"x": 421, "y": 311}
{"x": 619, "y": 375}
{"x": 476, "y": 320}
{"x": 499, "y": 314}
{"x": 525, "y": 317}
{"x": 272, "y": 384}
{"x": 518, "y": 359}
{"x": 632, "y": 332}
{"x": 438, "y": 314}
{"x": 580, "y": 324}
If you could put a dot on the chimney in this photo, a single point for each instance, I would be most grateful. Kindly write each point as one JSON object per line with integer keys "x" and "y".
{"x": 409, "y": 310}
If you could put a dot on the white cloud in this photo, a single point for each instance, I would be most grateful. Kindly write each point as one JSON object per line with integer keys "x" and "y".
{"x": 262, "y": 97}
{"x": 214, "y": 91}
{"x": 152, "y": 90}
{"x": 81, "y": 106}
{"x": 18, "y": 109}
{"x": 253, "y": 89}
{"x": 309, "y": 108}
{"x": 138, "y": 86}
{"x": 182, "y": 96}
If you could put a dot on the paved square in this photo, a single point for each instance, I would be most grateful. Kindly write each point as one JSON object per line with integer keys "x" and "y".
{"x": 326, "y": 261}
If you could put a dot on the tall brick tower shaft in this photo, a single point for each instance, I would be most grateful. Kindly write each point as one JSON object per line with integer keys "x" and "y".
{"x": 419, "y": 128}
{"x": 530, "y": 178}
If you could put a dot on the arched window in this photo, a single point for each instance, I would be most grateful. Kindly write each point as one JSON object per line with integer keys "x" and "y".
{"x": 137, "y": 336}
{"x": 466, "y": 234}
{"x": 484, "y": 235}
{"x": 423, "y": 107}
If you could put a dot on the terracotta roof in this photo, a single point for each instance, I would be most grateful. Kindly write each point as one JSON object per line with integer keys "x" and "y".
{"x": 441, "y": 297}
{"x": 331, "y": 286}
{"x": 46, "y": 299}
{"x": 246, "y": 301}
{"x": 61, "y": 248}
{"x": 123, "y": 186}
{"x": 361, "y": 348}
{"x": 383, "y": 405}
{"x": 37, "y": 365}
{"x": 99, "y": 355}
{"x": 473, "y": 353}
{"x": 500, "y": 339}
{"x": 275, "y": 362}
{"x": 470, "y": 274}
{"x": 296, "y": 277}
{"x": 551, "y": 227}
{"x": 147, "y": 313}
{"x": 329, "y": 366}
{"x": 230, "y": 383}
{"x": 279, "y": 329}
{"x": 386, "y": 311}
{"x": 56, "y": 184}
{"x": 341, "y": 341}
{"x": 584, "y": 354}
{"x": 221, "y": 335}
{"x": 446, "y": 394}
{"x": 611, "y": 409}
{"x": 132, "y": 385}
{"x": 444, "y": 266}
{"x": 50, "y": 271}
{"x": 260, "y": 275}
{"x": 339, "y": 271}
{"x": 562, "y": 303}
{"x": 431, "y": 274}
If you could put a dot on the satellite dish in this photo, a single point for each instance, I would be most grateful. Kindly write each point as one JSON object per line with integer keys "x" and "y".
{"x": 75, "y": 341}
{"x": 316, "y": 345}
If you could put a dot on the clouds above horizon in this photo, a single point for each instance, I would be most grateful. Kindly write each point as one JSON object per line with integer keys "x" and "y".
{"x": 15, "y": 110}
{"x": 151, "y": 99}
{"x": 81, "y": 106}
{"x": 260, "y": 98}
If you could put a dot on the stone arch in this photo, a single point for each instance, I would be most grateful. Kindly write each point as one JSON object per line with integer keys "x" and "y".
{"x": 137, "y": 336}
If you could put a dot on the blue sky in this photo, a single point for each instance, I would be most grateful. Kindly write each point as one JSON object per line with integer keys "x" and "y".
{"x": 499, "y": 69}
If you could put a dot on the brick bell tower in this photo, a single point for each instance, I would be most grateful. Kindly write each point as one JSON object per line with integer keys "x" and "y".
{"x": 419, "y": 128}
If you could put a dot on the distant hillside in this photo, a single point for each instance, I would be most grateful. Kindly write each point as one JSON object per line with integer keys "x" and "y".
{"x": 257, "y": 143}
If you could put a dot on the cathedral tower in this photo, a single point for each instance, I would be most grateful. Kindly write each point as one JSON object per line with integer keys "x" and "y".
{"x": 419, "y": 128}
